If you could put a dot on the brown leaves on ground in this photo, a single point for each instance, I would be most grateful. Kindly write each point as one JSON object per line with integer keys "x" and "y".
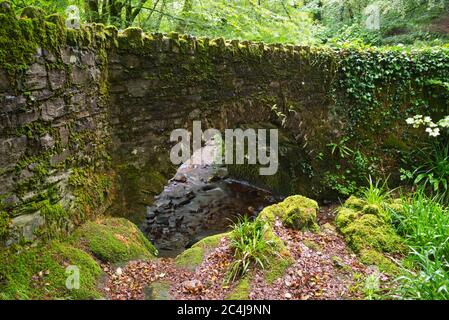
{"x": 323, "y": 268}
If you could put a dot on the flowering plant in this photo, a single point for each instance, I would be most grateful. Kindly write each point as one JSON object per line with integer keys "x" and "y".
{"x": 432, "y": 171}
{"x": 432, "y": 128}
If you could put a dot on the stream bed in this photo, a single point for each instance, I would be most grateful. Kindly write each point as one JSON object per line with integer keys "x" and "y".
{"x": 199, "y": 201}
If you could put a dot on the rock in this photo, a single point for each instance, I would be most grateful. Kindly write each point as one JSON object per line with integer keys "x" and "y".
{"x": 53, "y": 109}
{"x": 28, "y": 225}
{"x": 158, "y": 290}
{"x": 57, "y": 79}
{"x": 36, "y": 77}
{"x": 47, "y": 141}
{"x": 296, "y": 212}
{"x": 11, "y": 150}
{"x": 4, "y": 81}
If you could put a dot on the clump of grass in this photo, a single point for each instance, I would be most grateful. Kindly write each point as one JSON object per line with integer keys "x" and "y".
{"x": 377, "y": 193}
{"x": 424, "y": 223}
{"x": 251, "y": 247}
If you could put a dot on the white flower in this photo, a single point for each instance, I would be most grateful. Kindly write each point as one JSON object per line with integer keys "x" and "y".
{"x": 427, "y": 120}
{"x": 410, "y": 121}
{"x": 433, "y": 132}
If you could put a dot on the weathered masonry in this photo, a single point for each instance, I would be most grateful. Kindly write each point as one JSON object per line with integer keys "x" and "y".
{"x": 85, "y": 115}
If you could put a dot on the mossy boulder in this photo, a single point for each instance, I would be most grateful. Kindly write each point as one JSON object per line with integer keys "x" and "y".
{"x": 296, "y": 212}
{"x": 193, "y": 257}
{"x": 385, "y": 265}
{"x": 113, "y": 240}
{"x": 355, "y": 203}
{"x": 368, "y": 231}
{"x": 40, "y": 273}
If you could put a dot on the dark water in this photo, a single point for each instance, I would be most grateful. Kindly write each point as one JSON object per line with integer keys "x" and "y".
{"x": 201, "y": 200}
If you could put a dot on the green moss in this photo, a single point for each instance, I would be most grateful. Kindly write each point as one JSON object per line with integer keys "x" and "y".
{"x": 93, "y": 190}
{"x": 241, "y": 290}
{"x": 369, "y": 231}
{"x": 295, "y": 212}
{"x": 373, "y": 257}
{"x": 355, "y": 203}
{"x": 193, "y": 257}
{"x": 20, "y": 38}
{"x": 345, "y": 216}
{"x": 4, "y": 224}
{"x": 277, "y": 267}
{"x": 40, "y": 273}
{"x": 56, "y": 217}
{"x": 210, "y": 242}
{"x": 113, "y": 240}
{"x": 378, "y": 211}
{"x": 131, "y": 38}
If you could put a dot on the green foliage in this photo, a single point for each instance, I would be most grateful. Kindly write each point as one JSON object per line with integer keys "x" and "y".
{"x": 113, "y": 240}
{"x": 432, "y": 174}
{"x": 424, "y": 224}
{"x": 377, "y": 193}
{"x": 430, "y": 282}
{"x": 251, "y": 247}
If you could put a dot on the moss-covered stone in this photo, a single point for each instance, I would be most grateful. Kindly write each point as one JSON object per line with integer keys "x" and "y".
{"x": 158, "y": 290}
{"x": 368, "y": 231}
{"x": 193, "y": 257}
{"x": 385, "y": 265}
{"x": 355, "y": 203}
{"x": 113, "y": 240}
{"x": 378, "y": 211}
{"x": 40, "y": 273}
{"x": 277, "y": 266}
{"x": 296, "y": 212}
{"x": 241, "y": 290}
{"x": 345, "y": 216}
